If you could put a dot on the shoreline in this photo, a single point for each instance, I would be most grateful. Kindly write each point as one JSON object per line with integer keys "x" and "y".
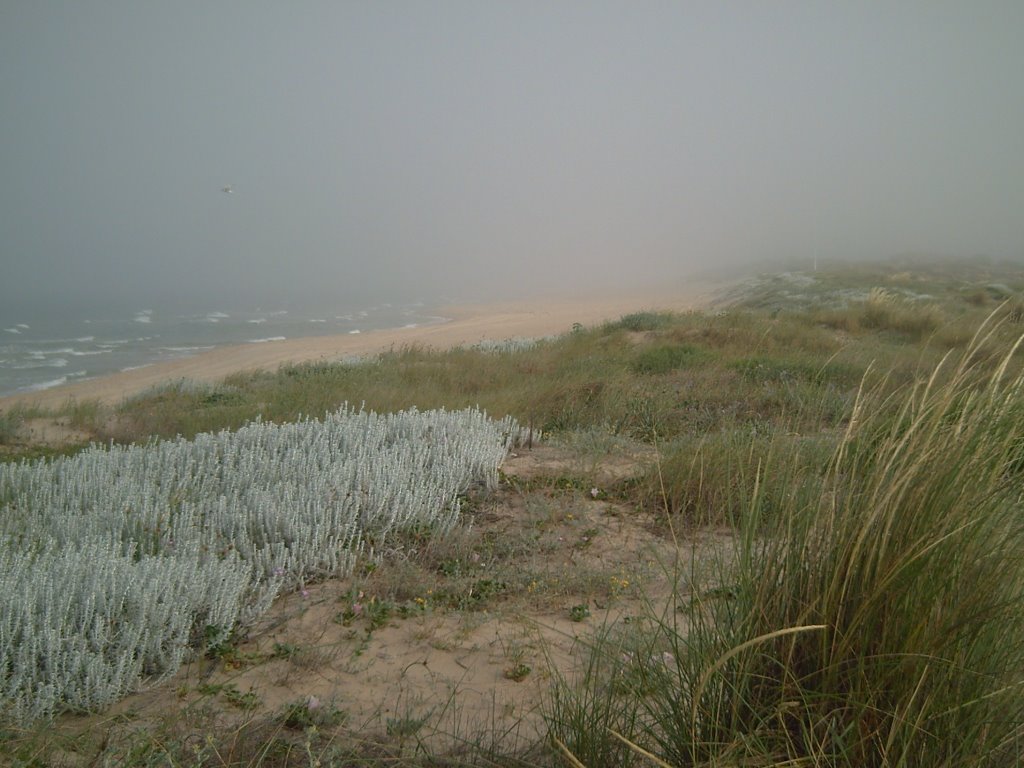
{"x": 467, "y": 324}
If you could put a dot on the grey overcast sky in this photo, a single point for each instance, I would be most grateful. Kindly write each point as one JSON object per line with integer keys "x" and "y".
{"x": 403, "y": 149}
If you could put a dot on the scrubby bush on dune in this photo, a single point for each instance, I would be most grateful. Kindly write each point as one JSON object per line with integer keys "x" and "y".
{"x": 641, "y": 321}
{"x": 114, "y": 562}
{"x": 667, "y": 358}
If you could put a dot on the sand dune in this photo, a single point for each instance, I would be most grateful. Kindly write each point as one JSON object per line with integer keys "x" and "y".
{"x": 468, "y": 325}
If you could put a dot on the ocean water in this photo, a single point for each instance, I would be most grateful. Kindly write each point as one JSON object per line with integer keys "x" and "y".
{"x": 45, "y": 351}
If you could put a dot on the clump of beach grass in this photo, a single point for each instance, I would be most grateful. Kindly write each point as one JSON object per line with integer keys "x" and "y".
{"x": 641, "y": 321}
{"x": 871, "y": 618}
{"x": 10, "y": 425}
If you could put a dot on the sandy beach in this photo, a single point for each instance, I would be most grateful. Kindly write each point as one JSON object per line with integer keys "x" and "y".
{"x": 468, "y": 324}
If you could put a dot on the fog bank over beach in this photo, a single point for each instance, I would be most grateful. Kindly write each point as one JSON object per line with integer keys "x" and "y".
{"x": 256, "y": 154}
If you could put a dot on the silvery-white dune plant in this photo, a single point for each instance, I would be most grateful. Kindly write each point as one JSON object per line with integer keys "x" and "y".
{"x": 114, "y": 563}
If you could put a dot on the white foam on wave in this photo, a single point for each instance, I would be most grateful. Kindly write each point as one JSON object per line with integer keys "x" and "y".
{"x": 136, "y": 367}
{"x": 45, "y": 385}
{"x": 264, "y": 341}
{"x": 50, "y": 384}
{"x": 42, "y": 354}
{"x": 258, "y": 320}
{"x": 89, "y": 353}
{"x": 145, "y": 316}
{"x": 86, "y": 338}
{"x": 42, "y": 362}
{"x": 22, "y": 325}
{"x": 317, "y": 320}
{"x": 354, "y": 332}
{"x": 12, "y": 330}
{"x": 185, "y": 349}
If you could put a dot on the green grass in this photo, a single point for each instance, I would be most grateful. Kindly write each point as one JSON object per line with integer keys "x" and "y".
{"x": 10, "y": 425}
{"x": 789, "y": 346}
{"x": 858, "y": 441}
{"x": 666, "y": 359}
{"x": 641, "y": 321}
{"x": 870, "y": 616}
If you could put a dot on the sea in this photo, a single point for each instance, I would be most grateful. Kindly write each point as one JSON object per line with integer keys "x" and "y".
{"x": 40, "y": 352}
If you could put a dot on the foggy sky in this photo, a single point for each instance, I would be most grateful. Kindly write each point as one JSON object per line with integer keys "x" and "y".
{"x": 424, "y": 149}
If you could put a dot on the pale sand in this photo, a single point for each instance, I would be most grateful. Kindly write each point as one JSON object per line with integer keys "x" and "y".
{"x": 470, "y": 324}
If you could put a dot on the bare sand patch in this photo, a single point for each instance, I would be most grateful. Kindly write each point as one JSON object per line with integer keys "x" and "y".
{"x": 430, "y": 674}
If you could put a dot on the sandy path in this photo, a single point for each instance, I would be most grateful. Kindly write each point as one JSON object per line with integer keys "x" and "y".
{"x": 469, "y": 324}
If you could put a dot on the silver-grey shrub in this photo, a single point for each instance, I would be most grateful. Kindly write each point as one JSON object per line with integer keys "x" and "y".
{"x": 509, "y": 346}
{"x": 117, "y": 561}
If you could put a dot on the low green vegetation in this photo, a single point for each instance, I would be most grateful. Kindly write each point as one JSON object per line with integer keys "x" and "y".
{"x": 10, "y": 425}
{"x": 787, "y": 347}
{"x": 855, "y": 436}
{"x": 871, "y": 613}
{"x": 667, "y": 358}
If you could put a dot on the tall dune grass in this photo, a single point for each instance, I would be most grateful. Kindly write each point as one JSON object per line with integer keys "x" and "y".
{"x": 875, "y": 619}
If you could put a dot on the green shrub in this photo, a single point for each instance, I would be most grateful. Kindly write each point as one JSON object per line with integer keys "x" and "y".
{"x": 641, "y": 321}
{"x": 768, "y": 369}
{"x": 10, "y": 425}
{"x": 666, "y": 358}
